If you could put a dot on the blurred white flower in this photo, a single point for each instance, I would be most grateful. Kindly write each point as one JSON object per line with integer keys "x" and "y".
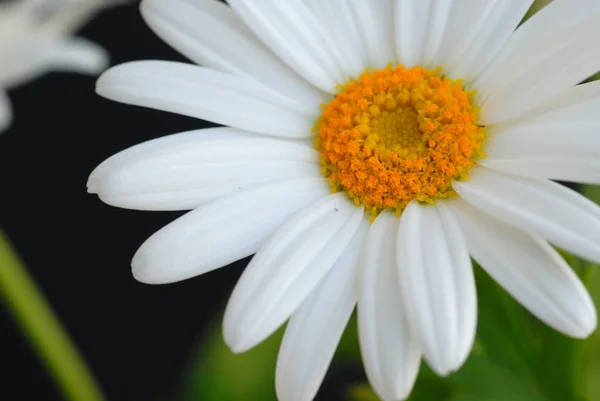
{"x": 35, "y": 37}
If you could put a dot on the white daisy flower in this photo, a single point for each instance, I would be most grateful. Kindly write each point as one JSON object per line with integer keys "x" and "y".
{"x": 439, "y": 125}
{"x": 35, "y": 37}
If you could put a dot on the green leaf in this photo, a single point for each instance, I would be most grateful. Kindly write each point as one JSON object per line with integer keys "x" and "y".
{"x": 481, "y": 379}
{"x": 348, "y": 350}
{"x": 591, "y": 347}
{"x": 504, "y": 330}
{"x": 216, "y": 374}
{"x": 535, "y": 7}
{"x": 429, "y": 386}
{"x": 592, "y": 192}
{"x": 478, "y": 380}
{"x": 558, "y": 363}
{"x": 590, "y": 361}
{"x": 594, "y": 77}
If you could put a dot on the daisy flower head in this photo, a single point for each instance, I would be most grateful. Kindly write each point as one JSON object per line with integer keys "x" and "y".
{"x": 369, "y": 150}
{"x": 35, "y": 37}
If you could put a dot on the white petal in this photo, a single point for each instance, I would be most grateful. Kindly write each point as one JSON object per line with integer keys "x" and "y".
{"x": 315, "y": 328}
{"x": 476, "y": 32}
{"x": 222, "y": 231}
{"x": 211, "y": 95}
{"x": 436, "y": 30}
{"x": 521, "y": 84}
{"x": 562, "y": 106}
{"x": 343, "y": 30}
{"x": 286, "y": 269}
{"x": 389, "y": 351}
{"x": 530, "y": 270}
{"x": 159, "y": 145}
{"x": 374, "y": 20}
{"x": 558, "y": 15}
{"x": 24, "y": 64}
{"x": 560, "y": 142}
{"x": 411, "y": 19}
{"x": 572, "y": 169}
{"x": 37, "y": 56}
{"x": 539, "y": 207}
{"x": 421, "y": 29}
{"x": 209, "y": 33}
{"x": 6, "y": 114}
{"x": 292, "y": 32}
{"x": 192, "y": 173}
{"x": 77, "y": 55}
{"x": 460, "y": 23}
{"x": 570, "y": 131}
{"x": 437, "y": 285}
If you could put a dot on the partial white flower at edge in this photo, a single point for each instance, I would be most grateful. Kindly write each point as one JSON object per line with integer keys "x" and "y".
{"x": 257, "y": 185}
{"x": 36, "y": 37}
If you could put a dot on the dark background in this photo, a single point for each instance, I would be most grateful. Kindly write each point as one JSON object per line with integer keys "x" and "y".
{"x": 136, "y": 338}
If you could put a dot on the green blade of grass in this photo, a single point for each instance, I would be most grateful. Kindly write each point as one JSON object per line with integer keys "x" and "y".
{"x": 42, "y": 328}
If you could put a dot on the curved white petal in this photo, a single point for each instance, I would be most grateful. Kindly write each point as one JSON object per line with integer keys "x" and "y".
{"x": 6, "y": 114}
{"x": 315, "y": 328}
{"x": 76, "y": 55}
{"x": 573, "y": 134}
{"x": 458, "y": 29}
{"x": 539, "y": 207}
{"x": 160, "y": 145}
{"x": 585, "y": 170}
{"x": 389, "y": 351}
{"x": 190, "y": 174}
{"x": 207, "y": 94}
{"x": 557, "y": 16}
{"x": 222, "y": 231}
{"x": 475, "y": 34}
{"x": 375, "y": 22}
{"x": 39, "y": 55}
{"x": 411, "y": 19}
{"x": 575, "y": 102}
{"x": 437, "y": 285}
{"x": 520, "y": 85}
{"x": 209, "y": 33}
{"x": 343, "y": 30}
{"x": 293, "y": 33}
{"x": 559, "y": 142}
{"x": 530, "y": 270}
{"x": 286, "y": 269}
{"x": 23, "y": 65}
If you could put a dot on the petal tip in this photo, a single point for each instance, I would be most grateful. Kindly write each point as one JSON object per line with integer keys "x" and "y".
{"x": 233, "y": 340}
{"x": 585, "y": 327}
{"x": 144, "y": 273}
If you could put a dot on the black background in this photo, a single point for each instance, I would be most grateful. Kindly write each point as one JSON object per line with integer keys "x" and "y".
{"x": 136, "y": 337}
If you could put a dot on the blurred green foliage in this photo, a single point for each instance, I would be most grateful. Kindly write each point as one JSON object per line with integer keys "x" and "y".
{"x": 591, "y": 347}
{"x": 218, "y": 374}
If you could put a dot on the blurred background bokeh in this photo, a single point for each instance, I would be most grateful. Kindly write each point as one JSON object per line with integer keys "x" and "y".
{"x": 136, "y": 337}
{"x": 146, "y": 342}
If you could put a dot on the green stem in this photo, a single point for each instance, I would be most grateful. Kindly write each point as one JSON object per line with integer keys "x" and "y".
{"x": 43, "y": 329}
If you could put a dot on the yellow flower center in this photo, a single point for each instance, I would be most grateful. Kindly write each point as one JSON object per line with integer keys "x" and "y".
{"x": 399, "y": 134}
